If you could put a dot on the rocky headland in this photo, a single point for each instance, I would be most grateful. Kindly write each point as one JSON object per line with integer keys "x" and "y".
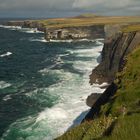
{"x": 75, "y": 28}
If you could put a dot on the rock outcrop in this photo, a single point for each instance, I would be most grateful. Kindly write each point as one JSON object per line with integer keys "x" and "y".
{"x": 91, "y": 99}
{"x": 81, "y": 32}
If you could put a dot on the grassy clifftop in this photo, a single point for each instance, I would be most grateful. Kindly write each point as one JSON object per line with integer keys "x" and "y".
{"x": 119, "y": 119}
{"x": 131, "y": 28}
{"x": 86, "y": 20}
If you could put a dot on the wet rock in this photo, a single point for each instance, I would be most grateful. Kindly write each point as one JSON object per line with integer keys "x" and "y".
{"x": 91, "y": 99}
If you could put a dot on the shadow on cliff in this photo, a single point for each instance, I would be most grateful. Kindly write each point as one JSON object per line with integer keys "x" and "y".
{"x": 103, "y": 99}
{"x": 78, "y": 119}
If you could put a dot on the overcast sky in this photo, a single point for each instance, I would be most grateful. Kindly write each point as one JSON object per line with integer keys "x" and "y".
{"x": 64, "y": 8}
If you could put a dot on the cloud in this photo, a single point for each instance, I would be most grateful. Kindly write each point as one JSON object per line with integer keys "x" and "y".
{"x": 110, "y": 7}
{"x": 70, "y": 7}
{"x": 101, "y": 3}
{"x": 35, "y": 4}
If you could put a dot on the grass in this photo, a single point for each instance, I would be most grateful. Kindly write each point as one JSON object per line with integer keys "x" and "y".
{"x": 87, "y": 21}
{"x": 131, "y": 28}
{"x": 127, "y": 128}
{"x": 120, "y": 118}
{"x": 88, "y": 130}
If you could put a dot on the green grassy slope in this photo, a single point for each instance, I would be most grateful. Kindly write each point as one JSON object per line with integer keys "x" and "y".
{"x": 119, "y": 119}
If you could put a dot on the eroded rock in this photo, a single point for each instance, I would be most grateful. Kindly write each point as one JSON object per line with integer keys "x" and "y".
{"x": 91, "y": 99}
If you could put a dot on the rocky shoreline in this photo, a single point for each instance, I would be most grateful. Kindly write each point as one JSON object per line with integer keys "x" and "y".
{"x": 111, "y": 105}
{"x": 117, "y": 45}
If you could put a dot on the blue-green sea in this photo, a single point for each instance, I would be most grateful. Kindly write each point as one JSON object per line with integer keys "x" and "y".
{"x": 43, "y": 85}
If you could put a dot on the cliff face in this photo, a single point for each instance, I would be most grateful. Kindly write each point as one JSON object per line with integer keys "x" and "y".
{"x": 113, "y": 56}
{"x": 81, "y": 32}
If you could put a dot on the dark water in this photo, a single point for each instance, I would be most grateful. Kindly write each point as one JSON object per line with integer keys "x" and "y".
{"x": 39, "y": 83}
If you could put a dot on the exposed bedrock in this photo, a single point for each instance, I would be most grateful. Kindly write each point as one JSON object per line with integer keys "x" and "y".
{"x": 113, "y": 56}
{"x": 81, "y": 32}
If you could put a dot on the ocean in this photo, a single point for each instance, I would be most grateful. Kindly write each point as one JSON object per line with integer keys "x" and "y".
{"x": 43, "y": 85}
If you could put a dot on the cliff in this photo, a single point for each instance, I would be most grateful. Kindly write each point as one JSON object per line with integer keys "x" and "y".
{"x": 81, "y": 32}
{"x": 116, "y": 113}
{"x": 86, "y": 26}
{"x": 113, "y": 56}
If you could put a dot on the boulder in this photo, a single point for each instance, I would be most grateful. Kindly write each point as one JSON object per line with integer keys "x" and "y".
{"x": 91, "y": 99}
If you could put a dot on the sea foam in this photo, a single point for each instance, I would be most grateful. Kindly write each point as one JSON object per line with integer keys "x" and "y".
{"x": 6, "y": 54}
{"x": 19, "y": 28}
{"x": 72, "y": 90}
{"x": 4, "y": 84}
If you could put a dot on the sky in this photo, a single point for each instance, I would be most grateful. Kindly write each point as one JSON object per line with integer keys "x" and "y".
{"x": 67, "y": 8}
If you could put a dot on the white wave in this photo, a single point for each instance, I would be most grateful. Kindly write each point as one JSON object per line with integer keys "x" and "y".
{"x": 61, "y": 41}
{"x": 87, "y": 65}
{"x": 73, "y": 93}
{"x": 78, "y": 40}
{"x": 6, "y": 98}
{"x": 19, "y": 28}
{"x": 61, "y": 74}
{"x": 71, "y": 108}
{"x": 92, "y": 51}
{"x": 73, "y": 96}
{"x": 5, "y": 54}
{"x": 98, "y": 41}
{"x": 30, "y": 30}
{"x": 85, "y": 40}
{"x": 61, "y": 55}
{"x": 72, "y": 40}
{"x": 38, "y": 40}
{"x": 44, "y": 71}
{"x": 84, "y": 66}
{"x": 104, "y": 84}
{"x": 10, "y": 27}
{"x": 3, "y": 84}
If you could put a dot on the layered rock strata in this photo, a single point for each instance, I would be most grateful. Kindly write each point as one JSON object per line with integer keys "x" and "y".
{"x": 83, "y": 32}
{"x": 113, "y": 56}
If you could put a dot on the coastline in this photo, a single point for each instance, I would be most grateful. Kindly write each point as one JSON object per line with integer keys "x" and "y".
{"x": 117, "y": 46}
{"x": 114, "y": 59}
{"x": 73, "y": 97}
